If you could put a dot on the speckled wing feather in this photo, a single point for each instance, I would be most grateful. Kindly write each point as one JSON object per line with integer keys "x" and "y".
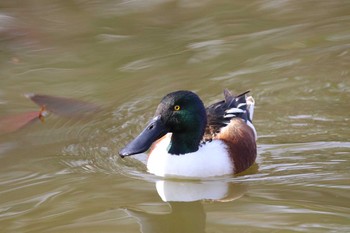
{"x": 220, "y": 114}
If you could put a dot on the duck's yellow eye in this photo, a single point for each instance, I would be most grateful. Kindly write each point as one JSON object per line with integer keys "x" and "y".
{"x": 177, "y": 107}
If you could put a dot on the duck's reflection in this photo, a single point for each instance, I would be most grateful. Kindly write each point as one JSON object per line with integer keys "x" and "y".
{"x": 185, "y": 198}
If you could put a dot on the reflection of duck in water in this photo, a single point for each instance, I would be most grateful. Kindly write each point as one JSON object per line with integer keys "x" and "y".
{"x": 194, "y": 141}
{"x": 187, "y": 214}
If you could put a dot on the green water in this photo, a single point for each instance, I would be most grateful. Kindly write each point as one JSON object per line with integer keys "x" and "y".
{"x": 65, "y": 175}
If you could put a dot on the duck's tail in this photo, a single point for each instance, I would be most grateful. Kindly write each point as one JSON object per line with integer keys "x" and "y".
{"x": 250, "y": 106}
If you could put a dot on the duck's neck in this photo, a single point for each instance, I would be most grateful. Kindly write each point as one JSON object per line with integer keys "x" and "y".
{"x": 183, "y": 143}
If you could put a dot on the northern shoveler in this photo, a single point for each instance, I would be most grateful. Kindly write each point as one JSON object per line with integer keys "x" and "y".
{"x": 189, "y": 140}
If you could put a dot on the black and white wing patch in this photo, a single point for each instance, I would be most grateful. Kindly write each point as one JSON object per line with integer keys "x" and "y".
{"x": 220, "y": 114}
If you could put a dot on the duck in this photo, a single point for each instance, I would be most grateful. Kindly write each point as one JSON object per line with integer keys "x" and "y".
{"x": 185, "y": 139}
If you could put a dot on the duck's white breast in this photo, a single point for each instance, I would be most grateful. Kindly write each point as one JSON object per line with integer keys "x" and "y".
{"x": 212, "y": 159}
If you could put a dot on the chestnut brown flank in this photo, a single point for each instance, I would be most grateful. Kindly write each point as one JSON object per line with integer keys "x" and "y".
{"x": 239, "y": 138}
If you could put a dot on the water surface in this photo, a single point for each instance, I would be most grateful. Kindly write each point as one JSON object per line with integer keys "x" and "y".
{"x": 65, "y": 175}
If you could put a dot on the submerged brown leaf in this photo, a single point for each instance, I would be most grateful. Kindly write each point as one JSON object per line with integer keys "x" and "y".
{"x": 64, "y": 106}
{"x": 57, "y": 105}
{"x": 13, "y": 123}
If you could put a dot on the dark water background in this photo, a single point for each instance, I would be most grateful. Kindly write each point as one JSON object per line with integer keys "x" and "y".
{"x": 64, "y": 175}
